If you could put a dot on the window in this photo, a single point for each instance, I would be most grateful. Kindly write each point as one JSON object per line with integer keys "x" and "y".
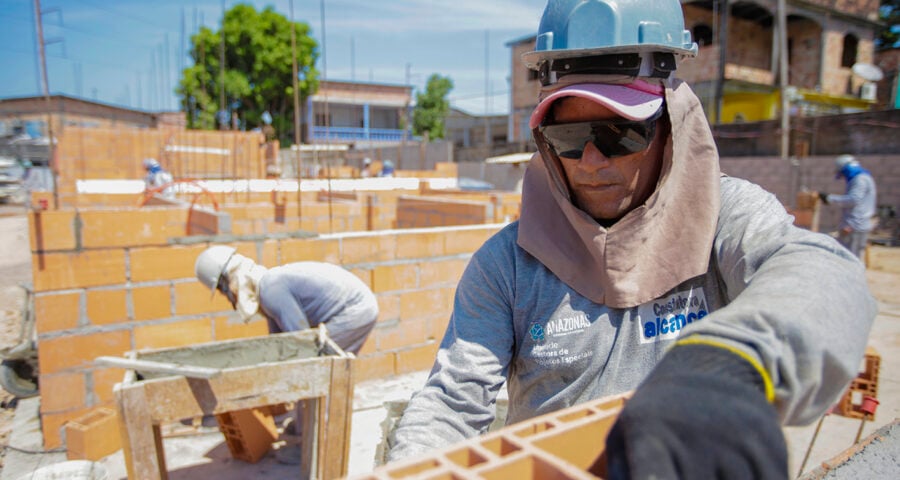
{"x": 848, "y": 56}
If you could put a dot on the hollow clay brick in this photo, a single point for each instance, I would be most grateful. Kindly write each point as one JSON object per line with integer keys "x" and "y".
{"x": 416, "y": 358}
{"x": 62, "y": 391}
{"x": 153, "y": 302}
{"x": 79, "y": 351}
{"x": 104, "y": 379}
{"x": 51, "y": 230}
{"x": 92, "y": 436}
{"x": 420, "y": 245}
{"x": 297, "y": 249}
{"x": 386, "y": 278}
{"x": 562, "y": 445}
{"x": 52, "y": 424}
{"x": 374, "y": 365}
{"x": 374, "y": 248}
{"x": 89, "y": 268}
{"x": 193, "y": 298}
{"x": 56, "y": 311}
{"x": 106, "y": 307}
{"x": 175, "y": 334}
{"x": 163, "y": 263}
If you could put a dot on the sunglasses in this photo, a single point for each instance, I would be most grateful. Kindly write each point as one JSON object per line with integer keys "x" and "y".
{"x": 614, "y": 138}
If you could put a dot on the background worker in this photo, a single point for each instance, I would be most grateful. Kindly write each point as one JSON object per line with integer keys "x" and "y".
{"x": 635, "y": 265}
{"x": 292, "y": 297}
{"x": 157, "y": 177}
{"x": 858, "y": 203}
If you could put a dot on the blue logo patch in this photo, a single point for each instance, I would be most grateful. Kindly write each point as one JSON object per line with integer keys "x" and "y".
{"x": 537, "y": 332}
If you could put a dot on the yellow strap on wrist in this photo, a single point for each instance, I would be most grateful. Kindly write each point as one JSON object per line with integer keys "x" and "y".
{"x": 767, "y": 380}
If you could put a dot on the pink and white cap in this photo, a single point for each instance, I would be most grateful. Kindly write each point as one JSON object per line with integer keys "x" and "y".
{"x": 638, "y": 100}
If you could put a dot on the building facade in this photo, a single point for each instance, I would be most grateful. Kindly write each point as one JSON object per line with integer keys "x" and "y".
{"x": 825, "y": 39}
{"x": 362, "y": 114}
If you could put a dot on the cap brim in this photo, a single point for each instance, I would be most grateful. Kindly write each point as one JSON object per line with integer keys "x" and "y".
{"x": 629, "y": 101}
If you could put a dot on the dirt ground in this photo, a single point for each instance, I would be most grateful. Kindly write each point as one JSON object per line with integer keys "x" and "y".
{"x": 15, "y": 269}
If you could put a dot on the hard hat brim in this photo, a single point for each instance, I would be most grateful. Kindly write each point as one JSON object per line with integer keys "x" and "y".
{"x": 534, "y": 59}
{"x": 634, "y": 101}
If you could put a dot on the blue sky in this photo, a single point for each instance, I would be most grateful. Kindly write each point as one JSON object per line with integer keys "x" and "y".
{"x": 129, "y": 52}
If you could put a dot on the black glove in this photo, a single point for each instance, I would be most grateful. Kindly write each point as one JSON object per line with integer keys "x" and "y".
{"x": 824, "y": 197}
{"x": 702, "y": 413}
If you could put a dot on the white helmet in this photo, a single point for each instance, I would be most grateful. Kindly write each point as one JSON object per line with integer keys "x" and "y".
{"x": 842, "y": 161}
{"x": 211, "y": 264}
{"x": 150, "y": 163}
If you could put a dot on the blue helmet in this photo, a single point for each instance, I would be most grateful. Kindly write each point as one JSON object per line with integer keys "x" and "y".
{"x": 631, "y": 37}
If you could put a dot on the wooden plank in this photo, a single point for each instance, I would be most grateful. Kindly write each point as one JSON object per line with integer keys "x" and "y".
{"x": 307, "y": 414}
{"x": 340, "y": 410}
{"x": 143, "y": 460}
{"x": 237, "y": 389}
{"x": 159, "y": 367}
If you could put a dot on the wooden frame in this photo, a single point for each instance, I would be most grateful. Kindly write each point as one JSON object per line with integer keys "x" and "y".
{"x": 323, "y": 384}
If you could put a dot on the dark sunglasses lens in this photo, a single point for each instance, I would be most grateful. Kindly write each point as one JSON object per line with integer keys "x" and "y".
{"x": 619, "y": 140}
{"x": 568, "y": 139}
{"x": 613, "y": 139}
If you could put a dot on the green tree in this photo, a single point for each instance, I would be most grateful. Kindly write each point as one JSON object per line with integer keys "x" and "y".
{"x": 258, "y": 70}
{"x": 432, "y": 107}
{"x": 889, "y": 35}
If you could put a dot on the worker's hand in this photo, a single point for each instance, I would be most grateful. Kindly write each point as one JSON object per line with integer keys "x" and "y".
{"x": 702, "y": 413}
{"x": 824, "y": 197}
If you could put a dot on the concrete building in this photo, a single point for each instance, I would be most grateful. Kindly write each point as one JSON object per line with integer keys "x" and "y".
{"x": 31, "y": 113}
{"x": 359, "y": 113}
{"x": 825, "y": 40}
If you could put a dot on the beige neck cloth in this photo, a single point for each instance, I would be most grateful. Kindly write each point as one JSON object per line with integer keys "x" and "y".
{"x": 653, "y": 248}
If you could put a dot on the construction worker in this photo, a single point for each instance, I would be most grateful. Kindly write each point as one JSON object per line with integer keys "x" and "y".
{"x": 637, "y": 266}
{"x": 292, "y": 297}
{"x": 858, "y": 203}
{"x": 157, "y": 177}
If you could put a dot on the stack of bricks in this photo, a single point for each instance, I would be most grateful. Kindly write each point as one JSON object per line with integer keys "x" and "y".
{"x": 864, "y": 385}
{"x": 108, "y": 281}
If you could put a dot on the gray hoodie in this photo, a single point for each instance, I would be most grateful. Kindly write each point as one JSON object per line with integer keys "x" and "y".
{"x": 795, "y": 300}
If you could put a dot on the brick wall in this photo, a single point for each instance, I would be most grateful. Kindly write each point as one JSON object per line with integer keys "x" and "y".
{"x": 110, "y": 281}
{"x": 816, "y": 174}
{"x": 100, "y": 153}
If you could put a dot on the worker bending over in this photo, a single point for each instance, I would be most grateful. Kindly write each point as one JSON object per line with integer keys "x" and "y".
{"x": 293, "y": 297}
{"x": 636, "y": 265}
{"x": 858, "y": 203}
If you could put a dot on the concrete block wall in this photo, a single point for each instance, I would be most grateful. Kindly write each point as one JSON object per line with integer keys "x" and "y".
{"x": 110, "y": 281}
{"x": 419, "y": 211}
{"x": 99, "y": 153}
{"x": 816, "y": 174}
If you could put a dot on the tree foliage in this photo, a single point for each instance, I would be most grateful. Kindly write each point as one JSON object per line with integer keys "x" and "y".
{"x": 889, "y": 13}
{"x": 432, "y": 107}
{"x": 258, "y": 70}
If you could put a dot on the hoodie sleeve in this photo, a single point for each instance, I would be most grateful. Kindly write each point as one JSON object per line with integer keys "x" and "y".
{"x": 798, "y": 301}
{"x": 458, "y": 399}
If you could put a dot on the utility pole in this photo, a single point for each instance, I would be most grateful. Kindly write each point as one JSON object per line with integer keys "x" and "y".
{"x": 222, "y": 69}
{"x": 783, "y": 79}
{"x": 724, "y": 13}
{"x": 298, "y": 161}
{"x": 45, "y": 86}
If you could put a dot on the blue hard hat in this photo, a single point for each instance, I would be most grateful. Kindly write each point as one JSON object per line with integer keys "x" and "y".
{"x": 571, "y": 29}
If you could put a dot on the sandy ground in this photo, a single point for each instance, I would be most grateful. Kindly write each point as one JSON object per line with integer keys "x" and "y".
{"x": 836, "y": 435}
{"x": 15, "y": 268}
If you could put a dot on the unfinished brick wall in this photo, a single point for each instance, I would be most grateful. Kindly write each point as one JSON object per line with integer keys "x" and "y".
{"x": 101, "y": 153}
{"x": 816, "y": 174}
{"x": 109, "y": 281}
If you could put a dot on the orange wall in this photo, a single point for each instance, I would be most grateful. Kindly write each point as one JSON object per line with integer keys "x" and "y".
{"x": 108, "y": 281}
